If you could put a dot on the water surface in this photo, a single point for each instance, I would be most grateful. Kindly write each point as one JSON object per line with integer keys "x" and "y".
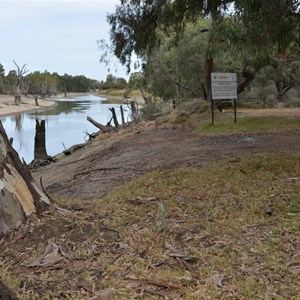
{"x": 65, "y": 124}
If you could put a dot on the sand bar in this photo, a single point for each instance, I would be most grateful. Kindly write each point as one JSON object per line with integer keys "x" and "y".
{"x": 8, "y": 107}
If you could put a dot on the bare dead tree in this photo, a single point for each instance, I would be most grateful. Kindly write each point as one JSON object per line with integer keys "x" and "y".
{"x": 18, "y": 89}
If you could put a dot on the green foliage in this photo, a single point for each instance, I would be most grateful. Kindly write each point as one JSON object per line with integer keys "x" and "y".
{"x": 113, "y": 82}
{"x": 153, "y": 106}
{"x": 47, "y": 83}
{"x": 175, "y": 69}
{"x": 245, "y": 38}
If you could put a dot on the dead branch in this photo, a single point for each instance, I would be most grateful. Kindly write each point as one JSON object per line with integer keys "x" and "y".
{"x": 103, "y": 128}
{"x": 114, "y": 116}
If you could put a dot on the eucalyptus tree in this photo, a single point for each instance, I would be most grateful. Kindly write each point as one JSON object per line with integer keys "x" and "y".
{"x": 256, "y": 25}
{"x": 175, "y": 69}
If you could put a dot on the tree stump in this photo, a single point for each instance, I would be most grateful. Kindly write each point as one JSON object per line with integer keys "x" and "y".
{"x": 40, "y": 152}
{"x": 20, "y": 196}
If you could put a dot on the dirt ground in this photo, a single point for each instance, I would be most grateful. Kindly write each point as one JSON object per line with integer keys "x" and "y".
{"x": 117, "y": 158}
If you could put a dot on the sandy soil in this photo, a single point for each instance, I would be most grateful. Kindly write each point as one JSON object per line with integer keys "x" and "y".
{"x": 7, "y": 106}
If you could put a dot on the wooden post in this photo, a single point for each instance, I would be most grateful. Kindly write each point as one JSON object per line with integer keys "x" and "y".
{"x": 20, "y": 196}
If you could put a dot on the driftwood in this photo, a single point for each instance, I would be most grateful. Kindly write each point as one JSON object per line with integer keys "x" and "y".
{"x": 73, "y": 149}
{"x": 114, "y": 116}
{"x": 103, "y": 128}
{"x": 90, "y": 135}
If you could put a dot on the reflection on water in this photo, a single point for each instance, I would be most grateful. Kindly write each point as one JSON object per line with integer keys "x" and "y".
{"x": 65, "y": 124}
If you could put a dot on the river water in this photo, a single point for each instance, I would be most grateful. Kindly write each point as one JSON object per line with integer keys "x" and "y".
{"x": 65, "y": 124}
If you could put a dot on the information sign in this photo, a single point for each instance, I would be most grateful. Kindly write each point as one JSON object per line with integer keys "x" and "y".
{"x": 223, "y": 86}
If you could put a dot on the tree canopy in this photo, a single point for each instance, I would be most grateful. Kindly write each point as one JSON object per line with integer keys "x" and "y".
{"x": 135, "y": 23}
{"x": 253, "y": 31}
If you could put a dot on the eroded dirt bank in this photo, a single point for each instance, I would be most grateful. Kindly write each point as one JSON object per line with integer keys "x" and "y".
{"x": 94, "y": 170}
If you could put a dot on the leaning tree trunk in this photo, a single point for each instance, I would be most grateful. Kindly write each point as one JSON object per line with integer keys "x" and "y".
{"x": 40, "y": 152}
{"x": 20, "y": 196}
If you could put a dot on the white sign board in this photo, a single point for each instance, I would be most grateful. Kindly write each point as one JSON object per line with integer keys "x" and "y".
{"x": 223, "y": 86}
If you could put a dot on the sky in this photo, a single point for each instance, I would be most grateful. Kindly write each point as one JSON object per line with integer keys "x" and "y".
{"x": 57, "y": 36}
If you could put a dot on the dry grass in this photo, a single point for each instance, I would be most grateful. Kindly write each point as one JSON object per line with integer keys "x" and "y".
{"x": 203, "y": 234}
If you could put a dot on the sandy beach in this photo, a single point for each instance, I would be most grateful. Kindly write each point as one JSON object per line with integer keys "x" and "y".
{"x": 8, "y": 107}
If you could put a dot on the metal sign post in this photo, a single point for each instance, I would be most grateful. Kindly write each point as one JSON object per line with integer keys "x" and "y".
{"x": 223, "y": 87}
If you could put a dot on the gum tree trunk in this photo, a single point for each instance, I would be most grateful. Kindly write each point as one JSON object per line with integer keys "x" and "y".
{"x": 20, "y": 196}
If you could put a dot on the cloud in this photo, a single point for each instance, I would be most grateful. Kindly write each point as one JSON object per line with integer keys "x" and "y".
{"x": 56, "y": 35}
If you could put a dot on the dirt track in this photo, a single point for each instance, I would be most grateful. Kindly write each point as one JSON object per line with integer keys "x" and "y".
{"x": 93, "y": 171}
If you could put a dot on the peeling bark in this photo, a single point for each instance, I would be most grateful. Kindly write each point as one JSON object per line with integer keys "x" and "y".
{"x": 20, "y": 196}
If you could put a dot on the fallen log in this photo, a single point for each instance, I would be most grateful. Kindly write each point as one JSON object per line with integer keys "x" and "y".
{"x": 103, "y": 128}
{"x": 73, "y": 149}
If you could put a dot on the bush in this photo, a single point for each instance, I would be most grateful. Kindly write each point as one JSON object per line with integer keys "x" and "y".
{"x": 189, "y": 107}
{"x": 293, "y": 102}
{"x": 154, "y": 106}
{"x": 271, "y": 101}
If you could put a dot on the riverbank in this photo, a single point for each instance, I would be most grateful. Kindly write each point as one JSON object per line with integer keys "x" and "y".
{"x": 8, "y": 106}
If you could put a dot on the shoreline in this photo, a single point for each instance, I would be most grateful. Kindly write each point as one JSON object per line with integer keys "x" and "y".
{"x": 8, "y": 108}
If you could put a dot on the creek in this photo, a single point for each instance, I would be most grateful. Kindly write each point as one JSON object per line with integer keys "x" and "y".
{"x": 65, "y": 124}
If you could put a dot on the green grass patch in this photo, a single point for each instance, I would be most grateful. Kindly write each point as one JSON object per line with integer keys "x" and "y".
{"x": 224, "y": 124}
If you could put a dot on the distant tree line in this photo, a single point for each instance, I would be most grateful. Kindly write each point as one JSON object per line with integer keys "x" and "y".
{"x": 45, "y": 83}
